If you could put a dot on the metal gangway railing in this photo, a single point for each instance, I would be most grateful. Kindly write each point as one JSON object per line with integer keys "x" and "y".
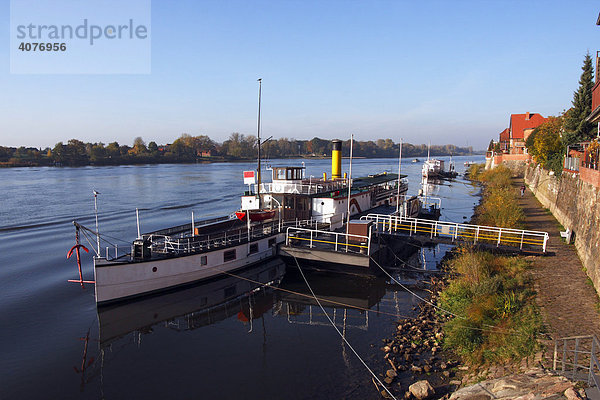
{"x": 490, "y": 235}
{"x": 576, "y": 358}
{"x": 328, "y": 240}
{"x": 165, "y": 244}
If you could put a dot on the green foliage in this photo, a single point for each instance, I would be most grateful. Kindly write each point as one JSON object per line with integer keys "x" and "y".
{"x": 189, "y": 149}
{"x": 545, "y": 144}
{"x": 530, "y": 142}
{"x": 499, "y": 207}
{"x": 547, "y": 140}
{"x": 474, "y": 170}
{"x": 497, "y": 318}
{"x": 577, "y": 129}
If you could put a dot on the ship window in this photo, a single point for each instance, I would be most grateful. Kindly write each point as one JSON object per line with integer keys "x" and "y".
{"x": 272, "y": 242}
{"x": 203, "y": 260}
{"x": 280, "y": 173}
{"x": 253, "y": 248}
{"x": 229, "y": 255}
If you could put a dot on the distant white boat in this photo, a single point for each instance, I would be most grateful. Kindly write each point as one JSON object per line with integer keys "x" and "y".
{"x": 432, "y": 168}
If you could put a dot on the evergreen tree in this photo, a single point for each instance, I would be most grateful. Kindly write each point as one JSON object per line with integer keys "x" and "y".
{"x": 577, "y": 129}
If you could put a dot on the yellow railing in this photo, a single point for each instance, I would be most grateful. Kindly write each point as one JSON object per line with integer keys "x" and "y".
{"x": 459, "y": 232}
{"x": 340, "y": 241}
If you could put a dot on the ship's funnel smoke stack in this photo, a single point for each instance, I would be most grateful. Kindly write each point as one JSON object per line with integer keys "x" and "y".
{"x": 336, "y": 159}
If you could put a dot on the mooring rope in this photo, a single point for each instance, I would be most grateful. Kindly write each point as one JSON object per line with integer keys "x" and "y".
{"x": 413, "y": 293}
{"x": 310, "y": 297}
{"x": 340, "y": 333}
{"x": 490, "y": 328}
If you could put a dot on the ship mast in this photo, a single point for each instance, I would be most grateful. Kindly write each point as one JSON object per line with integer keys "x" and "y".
{"x": 258, "y": 139}
{"x": 399, "y": 180}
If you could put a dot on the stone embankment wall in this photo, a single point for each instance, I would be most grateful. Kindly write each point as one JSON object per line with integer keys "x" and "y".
{"x": 517, "y": 166}
{"x": 574, "y": 204}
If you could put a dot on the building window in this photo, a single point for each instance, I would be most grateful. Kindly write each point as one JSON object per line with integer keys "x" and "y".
{"x": 203, "y": 260}
{"x": 253, "y": 248}
{"x": 272, "y": 242}
{"x": 229, "y": 255}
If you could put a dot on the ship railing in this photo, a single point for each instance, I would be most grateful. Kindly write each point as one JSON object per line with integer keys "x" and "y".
{"x": 115, "y": 252}
{"x": 428, "y": 201}
{"x": 315, "y": 317}
{"x": 327, "y": 240}
{"x": 188, "y": 227}
{"x": 396, "y": 224}
{"x": 302, "y": 188}
{"x": 165, "y": 244}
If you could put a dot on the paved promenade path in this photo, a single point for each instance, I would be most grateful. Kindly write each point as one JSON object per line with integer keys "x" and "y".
{"x": 567, "y": 300}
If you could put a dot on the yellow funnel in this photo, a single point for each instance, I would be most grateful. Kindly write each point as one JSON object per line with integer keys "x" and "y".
{"x": 336, "y": 159}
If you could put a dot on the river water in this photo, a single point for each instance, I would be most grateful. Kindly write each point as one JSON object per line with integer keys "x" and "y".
{"x": 228, "y": 338}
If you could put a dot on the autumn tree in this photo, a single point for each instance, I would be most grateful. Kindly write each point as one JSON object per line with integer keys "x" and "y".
{"x": 139, "y": 146}
{"x": 547, "y": 144}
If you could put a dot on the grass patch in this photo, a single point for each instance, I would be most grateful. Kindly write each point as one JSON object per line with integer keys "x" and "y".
{"x": 499, "y": 206}
{"x": 498, "y": 320}
{"x": 475, "y": 170}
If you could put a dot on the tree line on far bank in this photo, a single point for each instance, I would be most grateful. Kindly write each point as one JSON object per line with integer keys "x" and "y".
{"x": 190, "y": 149}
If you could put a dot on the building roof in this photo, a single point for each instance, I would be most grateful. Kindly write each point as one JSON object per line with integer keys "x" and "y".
{"x": 504, "y": 135}
{"x": 520, "y": 122}
{"x": 374, "y": 180}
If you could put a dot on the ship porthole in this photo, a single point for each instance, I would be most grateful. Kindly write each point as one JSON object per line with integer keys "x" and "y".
{"x": 154, "y": 269}
{"x": 322, "y": 203}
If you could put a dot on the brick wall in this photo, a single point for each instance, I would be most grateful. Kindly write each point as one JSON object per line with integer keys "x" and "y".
{"x": 590, "y": 176}
{"x": 575, "y": 204}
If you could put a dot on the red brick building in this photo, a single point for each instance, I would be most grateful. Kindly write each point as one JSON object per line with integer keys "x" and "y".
{"x": 519, "y": 129}
{"x": 504, "y": 141}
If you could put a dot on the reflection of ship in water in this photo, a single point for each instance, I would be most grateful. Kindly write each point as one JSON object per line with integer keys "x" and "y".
{"x": 195, "y": 306}
{"x": 338, "y": 294}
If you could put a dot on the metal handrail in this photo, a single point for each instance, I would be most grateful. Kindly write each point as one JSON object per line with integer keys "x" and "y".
{"x": 563, "y": 357}
{"x": 166, "y": 244}
{"x": 188, "y": 226}
{"x": 302, "y": 188}
{"x": 431, "y": 201}
{"x": 459, "y": 231}
{"x": 314, "y": 233}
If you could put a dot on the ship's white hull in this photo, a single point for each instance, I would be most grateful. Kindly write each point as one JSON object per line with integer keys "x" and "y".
{"x": 117, "y": 281}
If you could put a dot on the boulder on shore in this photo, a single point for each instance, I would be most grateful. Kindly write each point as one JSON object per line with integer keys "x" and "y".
{"x": 535, "y": 383}
{"x": 421, "y": 390}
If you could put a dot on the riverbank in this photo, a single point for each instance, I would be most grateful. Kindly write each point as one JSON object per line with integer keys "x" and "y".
{"x": 494, "y": 324}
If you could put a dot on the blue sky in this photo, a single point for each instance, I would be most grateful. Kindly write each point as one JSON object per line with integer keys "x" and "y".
{"x": 439, "y": 71}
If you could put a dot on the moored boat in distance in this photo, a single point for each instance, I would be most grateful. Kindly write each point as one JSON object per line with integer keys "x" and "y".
{"x": 432, "y": 168}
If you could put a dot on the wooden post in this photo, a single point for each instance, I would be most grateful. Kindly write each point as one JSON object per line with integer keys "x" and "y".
{"x": 575, "y": 358}
{"x": 555, "y": 355}
{"x": 564, "y": 355}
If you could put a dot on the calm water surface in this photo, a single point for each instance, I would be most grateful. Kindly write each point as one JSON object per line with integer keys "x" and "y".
{"x": 228, "y": 338}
